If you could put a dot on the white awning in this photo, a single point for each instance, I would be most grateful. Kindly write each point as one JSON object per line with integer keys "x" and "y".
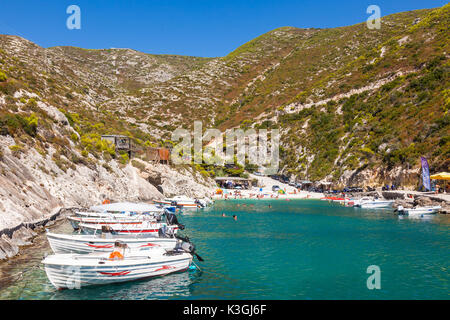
{"x": 126, "y": 206}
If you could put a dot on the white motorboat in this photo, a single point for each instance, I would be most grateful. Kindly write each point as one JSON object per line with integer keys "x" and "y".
{"x": 417, "y": 211}
{"x": 127, "y": 207}
{"x": 75, "y": 221}
{"x": 370, "y": 203}
{"x": 185, "y": 202}
{"x": 342, "y": 200}
{"x": 94, "y": 214}
{"x": 142, "y": 229}
{"x": 104, "y": 242}
{"x": 76, "y": 271}
{"x": 377, "y": 204}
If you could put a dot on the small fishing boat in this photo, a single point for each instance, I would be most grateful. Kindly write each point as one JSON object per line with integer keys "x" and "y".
{"x": 75, "y": 221}
{"x": 329, "y": 198}
{"x": 341, "y": 200}
{"x": 127, "y": 207}
{"x": 370, "y": 203}
{"x": 79, "y": 270}
{"x": 104, "y": 242}
{"x": 417, "y": 211}
{"x": 142, "y": 229}
{"x": 94, "y": 214}
{"x": 185, "y": 202}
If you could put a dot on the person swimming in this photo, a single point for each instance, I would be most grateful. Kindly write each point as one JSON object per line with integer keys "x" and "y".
{"x": 223, "y": 214}
{"x": 235, "y": 217}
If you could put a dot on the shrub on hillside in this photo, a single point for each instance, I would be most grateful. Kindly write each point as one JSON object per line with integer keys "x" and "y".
{"x": 124, "y": 158}
{"x": 14, "y": 124}
{"x": 16, "y": 150}
{"x": 3, "y": 76}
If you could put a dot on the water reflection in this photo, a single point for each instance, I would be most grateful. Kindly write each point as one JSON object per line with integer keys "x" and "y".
{"x": 168, "y": 287}
{"x": 291, "y": 250}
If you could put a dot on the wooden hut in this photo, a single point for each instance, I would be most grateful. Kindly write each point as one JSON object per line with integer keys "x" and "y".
{"x": 159, "y": 155}
{"x": 122, "y": 143}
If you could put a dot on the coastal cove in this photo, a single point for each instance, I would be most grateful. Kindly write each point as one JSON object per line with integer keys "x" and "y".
{"x": 298, "y": 249}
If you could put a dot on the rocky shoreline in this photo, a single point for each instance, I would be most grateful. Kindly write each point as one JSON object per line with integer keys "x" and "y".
{"x": 11, "y": 239}
{"x": 31, "y": 197}
{"x": 410, "y": 200}
{"x": 406, "y": 199}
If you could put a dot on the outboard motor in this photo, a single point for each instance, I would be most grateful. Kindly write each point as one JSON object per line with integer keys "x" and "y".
{"x": 165, "y": 232}
{"x": 199, "y": 203}
{"x": 172, "y": 220}
{"x": 185, "y": 245}
{"x": 158, "y": 217}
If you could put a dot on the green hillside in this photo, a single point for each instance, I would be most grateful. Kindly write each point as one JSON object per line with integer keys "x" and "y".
{"x": 354, "y": 105}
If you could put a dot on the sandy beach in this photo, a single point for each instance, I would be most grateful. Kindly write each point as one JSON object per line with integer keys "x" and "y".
{"x": 265, "y": 191}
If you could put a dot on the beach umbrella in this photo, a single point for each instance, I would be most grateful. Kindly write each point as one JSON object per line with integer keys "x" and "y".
{"x": 441, "y": 176}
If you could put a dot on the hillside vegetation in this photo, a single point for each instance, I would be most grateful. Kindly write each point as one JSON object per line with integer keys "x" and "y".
{"x": 354, "y": 105}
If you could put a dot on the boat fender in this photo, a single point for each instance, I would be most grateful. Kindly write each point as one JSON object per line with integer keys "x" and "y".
{"x": 115, "y": 255}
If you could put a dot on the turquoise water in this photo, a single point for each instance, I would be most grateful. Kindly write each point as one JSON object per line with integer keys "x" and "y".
{"x": 300, "y": 249}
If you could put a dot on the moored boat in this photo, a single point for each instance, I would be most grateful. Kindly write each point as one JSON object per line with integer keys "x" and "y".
{"x": 75, "y": 221}
{"x": 184, "y": 202}
{"x": 418, "y": 210}
{"x": 370, "y": 203}
{"x": 104, "y": 242}
{"x": 142, "y": 229}
{"x": 94, "y": 214}
{"x": 79, "y": 270}
{"x": 127, "y": 207}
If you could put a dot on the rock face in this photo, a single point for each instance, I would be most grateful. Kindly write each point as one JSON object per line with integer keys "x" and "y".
{"x": 358, "y": 114}
{"x": 423, "y": 202}
{"x": 178, "y": 181}
{"x": 30, "y": 194}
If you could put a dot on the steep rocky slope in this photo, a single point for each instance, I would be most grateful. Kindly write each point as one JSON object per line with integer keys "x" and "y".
{"x": 294, "y": 79}
{"x": 354, "y": 106}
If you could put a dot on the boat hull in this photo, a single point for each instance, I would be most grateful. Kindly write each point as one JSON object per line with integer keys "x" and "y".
{"x": 417, "y": 212}
{"x": 76, "y": 221}
{"x": 62, "y": 243}
{"x": 69, "y": 271}
{"x": 181, "y": 204}
{"x": 141, "y": 230}
{"x": 384, "y": 204}
{"x": 106, "y": 215}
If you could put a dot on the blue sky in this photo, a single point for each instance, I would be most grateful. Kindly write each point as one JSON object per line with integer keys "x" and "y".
{"x": 206, "y": 28}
